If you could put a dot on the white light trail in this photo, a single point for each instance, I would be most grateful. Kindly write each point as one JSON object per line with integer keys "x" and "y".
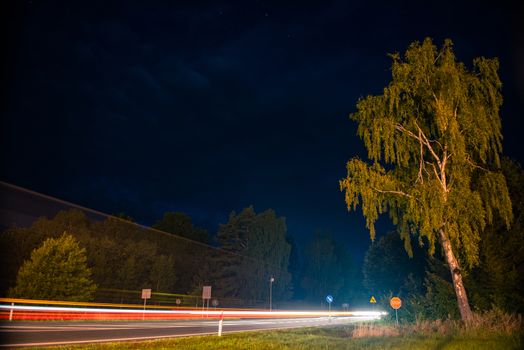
{"x": 194, "y": 313}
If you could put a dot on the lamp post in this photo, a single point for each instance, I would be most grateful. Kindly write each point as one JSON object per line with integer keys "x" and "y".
{"x": 271, "y": 280}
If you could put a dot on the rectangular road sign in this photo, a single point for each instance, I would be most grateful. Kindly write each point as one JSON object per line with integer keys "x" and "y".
{"x": 206, "y": 292}
{"x": 146, "y": 293}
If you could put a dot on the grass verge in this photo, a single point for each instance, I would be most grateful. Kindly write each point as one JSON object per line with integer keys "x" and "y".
{"x": 340, "y": 337}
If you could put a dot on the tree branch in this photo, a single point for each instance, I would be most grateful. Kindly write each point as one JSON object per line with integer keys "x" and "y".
{"x": 428, "y": 144}
{"x": 423, "y": 141}
{"x": 435, "y": 171}
{"x": 475, "y": 165}
{"x": 438, "y": 143}
{"x": 443, "y": 179}
{"x": 401, "y": 128}
{"x": 421, "y": 160}
{"x": 392, "y": 192}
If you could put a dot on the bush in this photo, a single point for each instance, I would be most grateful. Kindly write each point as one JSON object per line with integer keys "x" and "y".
{"x": 492, "y": 323}
{"x": 57, "y": 270}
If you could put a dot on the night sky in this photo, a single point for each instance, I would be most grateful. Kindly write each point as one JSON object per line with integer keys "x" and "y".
{"x": 147, "y": 107}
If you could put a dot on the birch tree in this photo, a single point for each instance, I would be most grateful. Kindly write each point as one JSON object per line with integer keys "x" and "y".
{"x": 434, "y": 141}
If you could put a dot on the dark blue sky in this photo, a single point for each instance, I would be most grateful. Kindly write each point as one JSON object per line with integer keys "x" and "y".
{"x": 205, "y": 108}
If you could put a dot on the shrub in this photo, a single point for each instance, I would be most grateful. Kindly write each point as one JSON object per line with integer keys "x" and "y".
{"x": 57, "y": 270}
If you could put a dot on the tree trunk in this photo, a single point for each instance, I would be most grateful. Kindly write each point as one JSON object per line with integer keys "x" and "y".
{"x": 456, "y": 276}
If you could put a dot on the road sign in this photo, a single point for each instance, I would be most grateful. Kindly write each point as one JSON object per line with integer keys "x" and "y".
{"x": 373, "y": 300}
{"x": 395, "y": 303}
{"x": 214, "y": 302}
{"x": 146, "y": 293}
{"x": 206, "y": 292}
{"x": 178, "y": 301}
{"x": 329, "y": 299}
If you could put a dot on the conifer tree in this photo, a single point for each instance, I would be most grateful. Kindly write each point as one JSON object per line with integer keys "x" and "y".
{"x": 434, "y": 139}
{"x": 254, "y": 249}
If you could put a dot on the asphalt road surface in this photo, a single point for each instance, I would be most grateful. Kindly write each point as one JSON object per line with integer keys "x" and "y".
{"x": 17, "y": 333}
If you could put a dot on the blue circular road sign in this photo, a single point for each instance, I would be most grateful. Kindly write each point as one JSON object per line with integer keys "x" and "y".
{"x": 329, "y": 299}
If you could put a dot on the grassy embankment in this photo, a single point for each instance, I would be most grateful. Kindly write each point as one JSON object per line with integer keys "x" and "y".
{"x": 502, "y": 332}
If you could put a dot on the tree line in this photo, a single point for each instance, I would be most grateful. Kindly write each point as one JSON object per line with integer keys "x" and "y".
{"x": 173, "y": 256}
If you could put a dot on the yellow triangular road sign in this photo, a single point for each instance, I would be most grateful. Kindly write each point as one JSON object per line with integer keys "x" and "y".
{"x": 372, "y": 300}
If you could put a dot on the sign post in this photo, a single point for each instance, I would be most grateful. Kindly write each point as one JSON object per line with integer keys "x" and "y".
{"x": 373, "y": 301}
{"x": 146, "y": 294}
{"x": 395, "y": 303}
{"x": 329, "y": 300}
{"x": 206, "y": 295}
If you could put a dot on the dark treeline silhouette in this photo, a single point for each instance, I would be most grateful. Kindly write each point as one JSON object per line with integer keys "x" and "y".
{"x": 175, "y": 256}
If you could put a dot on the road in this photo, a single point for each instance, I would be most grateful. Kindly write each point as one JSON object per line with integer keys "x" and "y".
{"x": 20, "y": 333}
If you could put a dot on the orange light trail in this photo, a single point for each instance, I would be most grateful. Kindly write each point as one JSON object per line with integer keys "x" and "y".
{"x": 38, "y": 312}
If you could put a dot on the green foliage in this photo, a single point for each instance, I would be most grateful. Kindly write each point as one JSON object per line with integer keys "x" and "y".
{"x": 185, "y": 243}
{"x": 327, "y": 269}
{"x": 130, "y": 265}
{"x": 434, "y": 139}
{"x": 162, "y": 275}
{"x": 121, "y": 254}
{"x": 387, "y": 267}
{"x": 439, "y": 301}
{"x": 422, "y": 282}
{"x": 125, "y": 255}
{"x": 56, "y": 271}
{"x": 256, "y": 250}
{"x": 16, "y": 244}
{"x": 180, "y": 224}
{"x": 499, "y": 278}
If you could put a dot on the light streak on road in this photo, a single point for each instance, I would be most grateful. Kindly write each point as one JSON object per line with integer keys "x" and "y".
{"x": 82, "y": 312}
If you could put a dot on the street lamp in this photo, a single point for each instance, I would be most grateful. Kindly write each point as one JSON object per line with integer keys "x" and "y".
{"x": 271, "y": 280}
